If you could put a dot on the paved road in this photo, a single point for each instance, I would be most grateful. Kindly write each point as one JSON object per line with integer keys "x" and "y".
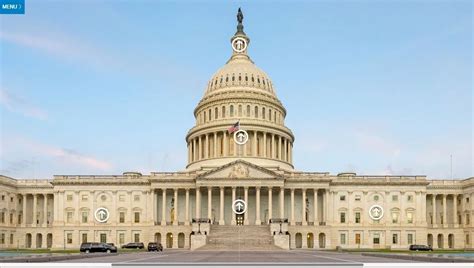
{"x": 186, "y": 256}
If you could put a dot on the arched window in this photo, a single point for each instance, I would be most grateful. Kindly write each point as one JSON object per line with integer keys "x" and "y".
{"x": 270, "y": 114}
{"x": 256, "y": 111}
{"x": 240, "y": 110}
{"x": 263, "y": 112}
{"x": 246, "y": 78}
{"x": 227, "y": 79}
{"x": 233, "y": 78}
{"x": 240, "y": 78}
{"x": 253, "y": 79}
{"x": 210, "y": 116}
{"x": 215, "y": 113}
{"x": 223, "y": 111}
{"x": 204, "y": 121}
{"x": 275, "y": 116}
{"x": 232, "y": 111}
{"x": 248, "y": 110}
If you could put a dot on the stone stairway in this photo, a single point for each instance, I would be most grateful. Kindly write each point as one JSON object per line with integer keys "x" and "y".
{"x": 240, "y": 237}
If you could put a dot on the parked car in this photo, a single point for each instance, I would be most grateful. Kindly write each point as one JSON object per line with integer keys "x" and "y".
{"x": 421, "y": 248}
{"x": 138, "y": 245}
{"x": 152, "y": 246}
{"x": 97, "y": 247}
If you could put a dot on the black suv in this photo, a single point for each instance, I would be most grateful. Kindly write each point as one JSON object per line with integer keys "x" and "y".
{"x": 152, "y": 246}
{"x": 97, "y": 247}
{"x": 134, "y": 245}
{"x": 421, "y": 248}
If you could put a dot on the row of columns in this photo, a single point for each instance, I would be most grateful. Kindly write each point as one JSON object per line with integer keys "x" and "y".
{"x": 35, "y": 219}
{"x": 445, "y": 209}
{"x": 258, "y": 220}
{"x": 199, "y": 147}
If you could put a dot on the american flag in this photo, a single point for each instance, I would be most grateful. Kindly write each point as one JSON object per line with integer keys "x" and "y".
{"x": 234, "y": 127}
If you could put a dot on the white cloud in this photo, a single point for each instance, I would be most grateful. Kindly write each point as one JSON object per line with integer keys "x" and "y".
{"x": 18, "y": 104}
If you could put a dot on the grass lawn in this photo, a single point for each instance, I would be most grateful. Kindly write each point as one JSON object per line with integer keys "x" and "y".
{"x": 435, "y": 251}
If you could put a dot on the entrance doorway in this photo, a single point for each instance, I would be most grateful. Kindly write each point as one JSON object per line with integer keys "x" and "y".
{"x": 239, "y": 219}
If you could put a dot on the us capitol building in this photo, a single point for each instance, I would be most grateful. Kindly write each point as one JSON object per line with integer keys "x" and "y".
{"x": 239, "y": 190}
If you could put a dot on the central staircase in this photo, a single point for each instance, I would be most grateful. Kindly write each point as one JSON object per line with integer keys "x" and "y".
{"x": 240, "y": 237}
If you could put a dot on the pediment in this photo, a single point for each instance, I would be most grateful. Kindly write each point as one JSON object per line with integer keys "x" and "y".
{"x": 240, "y": 169}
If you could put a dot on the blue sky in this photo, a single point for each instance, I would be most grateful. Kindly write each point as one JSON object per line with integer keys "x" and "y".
{"x": 103, "y": 87}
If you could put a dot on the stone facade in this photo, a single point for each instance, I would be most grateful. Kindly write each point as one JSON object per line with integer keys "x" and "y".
{"x": 301, "y": 209}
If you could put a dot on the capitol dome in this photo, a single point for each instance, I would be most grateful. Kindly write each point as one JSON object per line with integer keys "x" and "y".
{"x": 240, "y": 92}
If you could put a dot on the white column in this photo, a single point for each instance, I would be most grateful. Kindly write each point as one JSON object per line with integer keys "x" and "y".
{"x": 315, "y": 207}
{"x": 246, "y": 199}
{"x": 292, "y": 206}
{"x": 433, "y": 201}
{"x": 200, "y": 149}
{"x": 326, "y": 205}
{"x": 226, "y": 148}
{"x": 282, "y": 202}
{"x": 35, "y": 204}
{"x": 285, "y": 157}
{"x": 233, "y": 199}
{"x": 206, "y": 150}
{"x": 215, "y": 145}
{"x": 444, "y": 210}
{"x": 194, "y": 150}
{"x": 303, "y": 208}
{"x": 455, "y": 209}
{"x": 186, "y": 219}
{"x": 198, "y": 203}
{"x": 175, "y": 218}
{"x": 257, "y": 208}
{"x": 273, "y": 146}
{"x": 23, "y": 215}
{"x": 221, "y": 211}
{"x": 264, "y": 144}
{"x": 155, "y": 201}
{"x": 209, "y": 203}
{"x": 270, "y": 208}
{"x": 45, "y": 210}
{"x": 255, "y": 150}
{"x": 279, "y": 148}
{"x": 163, "y": 207}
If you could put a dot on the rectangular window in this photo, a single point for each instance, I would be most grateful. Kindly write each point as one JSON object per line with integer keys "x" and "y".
{"x": 376, "y": 239}
{"x": 394, "y": 198}
{"x": 121, "y": 238}
{"x": 84, "y": 238}
{"x": 394, "y": 238}
{"x": 410, "y": 217}
{"x": 343, "y": 217}
{"x": 2, "y": 217}
{"x": 11, "y": 199}
{"x": 342, "y": 198}
{"x": 11, "y": 239}
{"x": 69, "y": 197}
{"x": 410, "y": 239}
{"x": 136, "y": 197}
{"x": 122, "y": 198}
{"x": 103, "y": 238}
{"x": 343, "y": 239}
{"x": 136, "y": 238}
{"x": 3, "y": 198}
{"x": 357, "y": 198}
{"x": 2, "y": 238}
{"x": 137, "y": 217}
{"x": 122, "y": 217}
{"x": 85, "y": 197}
{"x": 85, "y": 215}
{"x": 468, "y": 219}
{"x": 20, "y": 216}
{"x": 357, "y": 217}
{"x": 357, "y": 239}
{"x": 394, "y": 217}
{"x": 69, "y": 238}
{"x": 11, "y": 218}
{"x": 69, "y": 217}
